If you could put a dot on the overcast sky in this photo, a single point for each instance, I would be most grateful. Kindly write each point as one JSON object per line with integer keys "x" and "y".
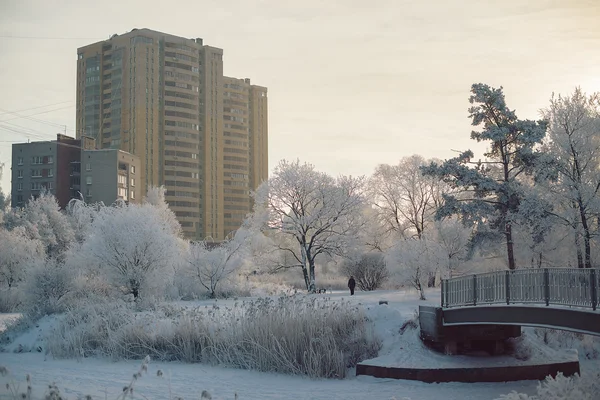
{"x": 351, "y": 83}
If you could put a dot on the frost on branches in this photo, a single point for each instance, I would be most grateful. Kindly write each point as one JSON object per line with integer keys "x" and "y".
{"x": 404, "y": 199}
{"x": 309, "y": 213}
{"x": 135, "y": 247}
{"x": 573, "y": 147}
{"x": 491, "y": 191}
{"x": 413, "y": 261}
{"x": 210, "y": 264}
{"x": 18, "y": 253}
{"x": 562, "y": 388}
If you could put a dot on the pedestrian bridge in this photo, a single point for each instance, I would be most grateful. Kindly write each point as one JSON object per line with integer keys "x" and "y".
{"x": 560, "y": 298}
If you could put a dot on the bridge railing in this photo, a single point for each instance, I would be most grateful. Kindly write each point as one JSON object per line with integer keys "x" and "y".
{"x": 559, "y": 286}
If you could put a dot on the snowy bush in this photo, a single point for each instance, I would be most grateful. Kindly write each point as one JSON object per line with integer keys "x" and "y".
{"x": 561, "y": 387}
{"x": 211, "y": 266}
{"x": 17, "y": 253}
{"x": 11, "y": 299}
{"x": 47, "y": 288}
{"x": 294, "y": 335}
{"x": 370, "y": 271}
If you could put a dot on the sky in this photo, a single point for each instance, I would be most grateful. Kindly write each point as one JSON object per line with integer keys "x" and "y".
{"x": 352, "y": 84}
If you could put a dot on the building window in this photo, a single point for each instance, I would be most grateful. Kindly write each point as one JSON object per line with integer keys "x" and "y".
{"x": 36, "y": 160}
{"x": 88, "y": 167}
{"x": 122, "y": 180}
{"x": 132, "y": 195}
{"x": 20, "y": 161}
{"x": 132, "y": 181}
{"x": 50, "y": 186}
{"x": 80, "y": 56}
{"x": 19, "y": 186}
{"x": 19, "y": 173}
{"x": 88, "y": 180}
{"x": 50, "y": 160}
{"x": 50, "y": 173}
{"x": 88, "y": 193}
{"x": 133, "y": 169}
{"x": 123, "y": 193}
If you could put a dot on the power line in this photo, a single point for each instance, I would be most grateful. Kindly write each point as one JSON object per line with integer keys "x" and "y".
{"x": 42, "y": 112}
{"x": 34, "y": 108}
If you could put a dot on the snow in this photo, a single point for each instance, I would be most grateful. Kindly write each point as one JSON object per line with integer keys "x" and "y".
{"x": 7, "y": 319}
{"x": 105, "y": 379}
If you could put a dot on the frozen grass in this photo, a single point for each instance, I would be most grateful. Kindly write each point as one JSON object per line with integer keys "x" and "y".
{"x": 303, "y": 335}
{"x": 577, "y": 387}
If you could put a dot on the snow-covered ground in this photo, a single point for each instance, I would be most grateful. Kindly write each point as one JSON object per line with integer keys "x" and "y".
{"x": 105, "y": 379}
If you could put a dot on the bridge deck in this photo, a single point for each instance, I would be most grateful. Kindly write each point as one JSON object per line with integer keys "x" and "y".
{"x": 575, "y": 320}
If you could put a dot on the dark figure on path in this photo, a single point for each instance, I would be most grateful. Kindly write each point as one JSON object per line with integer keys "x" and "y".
{"x": 351, "y": 285}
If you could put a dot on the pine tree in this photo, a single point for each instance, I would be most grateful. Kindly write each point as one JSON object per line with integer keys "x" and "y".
{"x": 490, "y": 191}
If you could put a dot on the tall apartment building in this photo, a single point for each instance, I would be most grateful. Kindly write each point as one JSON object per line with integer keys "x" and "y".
{"x": 55, "y": 166}
{"x": 161, "y": 98}
{"x": 245, "y": 147}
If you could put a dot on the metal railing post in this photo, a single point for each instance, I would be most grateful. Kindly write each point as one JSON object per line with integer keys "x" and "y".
{"x": 507, "y": 287}
{"x": 594, "y": 288}
{"x": 442, "y": 293}
{"x": 547, "y": 286}
{"x": 474, "y": 290}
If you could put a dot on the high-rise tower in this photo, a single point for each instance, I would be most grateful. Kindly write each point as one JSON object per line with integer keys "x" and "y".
{"x": 161, "y": 98}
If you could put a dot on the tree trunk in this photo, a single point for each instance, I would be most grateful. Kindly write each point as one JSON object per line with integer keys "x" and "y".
{"x": 509, "y": 247}
{"x": 311, "y": 270}
{"x": 586, "y": 234}
{"x": 578, "y": 249}
{"x": 306, "y": 279}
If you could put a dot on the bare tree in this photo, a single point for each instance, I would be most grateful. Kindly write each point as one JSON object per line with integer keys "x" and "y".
{"x": 404, "y": 199}
{"x": 308, "y": 213}
{"x": 369, "y": 272}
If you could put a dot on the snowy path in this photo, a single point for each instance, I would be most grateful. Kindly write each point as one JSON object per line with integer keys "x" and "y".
{"x": 105, "y": 379}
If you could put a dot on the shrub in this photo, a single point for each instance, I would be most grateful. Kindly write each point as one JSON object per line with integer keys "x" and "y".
{"x": 562, "y": 388}
{"x": 48, "y": 286}
{"x": 370, "y": 271}
{"x": 11, "y": 299}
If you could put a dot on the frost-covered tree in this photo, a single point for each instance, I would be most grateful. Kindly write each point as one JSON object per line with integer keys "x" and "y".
{"x": 43, "y": 220}
{"x": 308, "y": 213}
{"x": 454, "y": 238}
{"x": 573, "y": 147}
{"x": 370, "y": 271}
{"x": 81, "y": 216}
{"x": 18, "y": 252}
{"x": 134, "y": 247}
{"x": 490, "y": 191}
{"x": 211, "y": 263}
{"x": 405, "y": 200}
{"x": 414, "y": 261}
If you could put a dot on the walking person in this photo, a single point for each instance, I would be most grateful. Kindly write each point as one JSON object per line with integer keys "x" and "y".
{"x": 351, "y": 285}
